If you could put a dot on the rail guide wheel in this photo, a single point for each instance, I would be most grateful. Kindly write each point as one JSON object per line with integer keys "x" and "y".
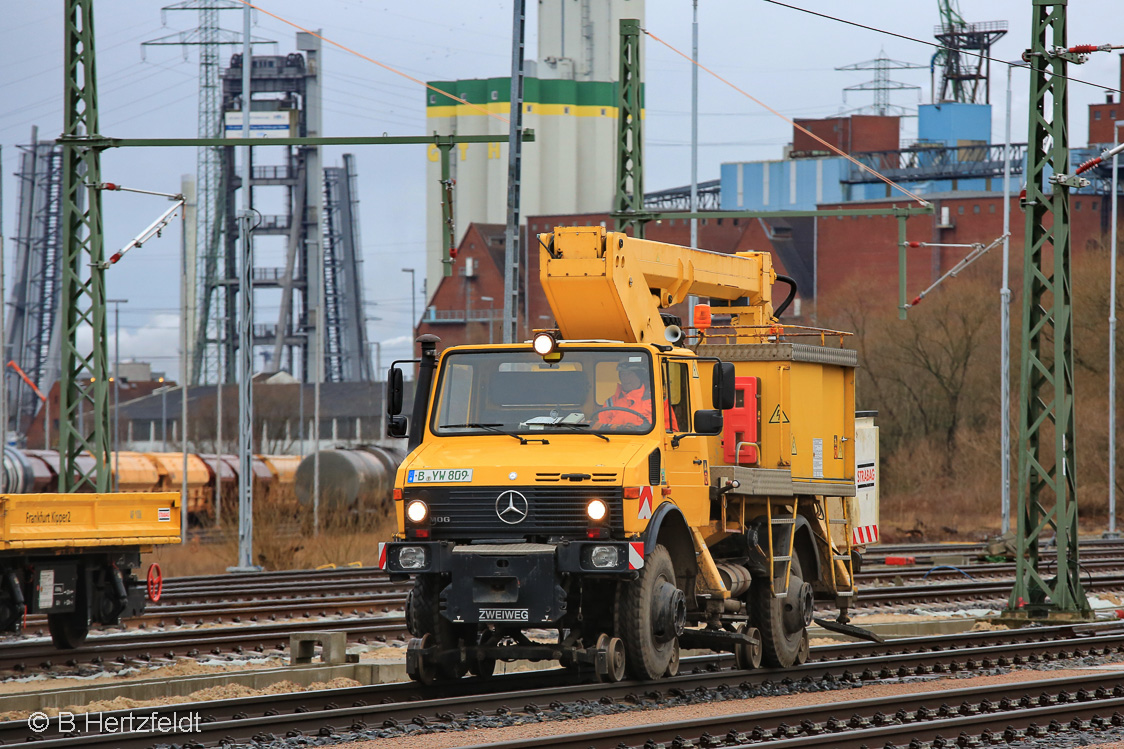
{"x": 610, "y": 658}
{"x": 748, "y": 656}
{"x": 420, "y": 665}
{"x": 783, "y": 622}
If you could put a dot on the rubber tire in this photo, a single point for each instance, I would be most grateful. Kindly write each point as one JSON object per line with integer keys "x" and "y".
{"x": 423, "y": 617}
{"x": 779, "y": 649}
{"x": 644, "y": 657}
{"x": 68, "y": 630}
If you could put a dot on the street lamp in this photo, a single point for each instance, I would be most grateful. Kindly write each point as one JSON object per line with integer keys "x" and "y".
{"x": 116, "y": 391}
{"x": 413, "y": 302}
{"x": 491, "y": 314}
{"x": 163, "y": 417}
{"x": 1112, "y": 344}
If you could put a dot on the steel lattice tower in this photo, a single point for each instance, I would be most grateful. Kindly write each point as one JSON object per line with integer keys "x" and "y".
{"x": 32, "y": 321}
{"x": 1047, "y": 451}
{"x": 629, "y": 199}
{"x": 882, "y": 85}
{"x": 203, "y": 347}
{"x": 84, "y": 373}
{"x": 965, "y": 59}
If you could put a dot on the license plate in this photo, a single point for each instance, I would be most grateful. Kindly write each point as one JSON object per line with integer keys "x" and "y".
{"x": 438, "y": 475}
{"x": 503, "y": 615}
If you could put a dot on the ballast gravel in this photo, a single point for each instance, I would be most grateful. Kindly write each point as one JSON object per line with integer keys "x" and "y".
{"x": 579, "y": 717}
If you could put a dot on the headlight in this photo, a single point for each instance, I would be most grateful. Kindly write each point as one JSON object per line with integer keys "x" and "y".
{"x": 411, "y": 557}
{"x": 597, "y": 510}
{"x": 416, "y": 511}
{"x": 604, "y": 556}
{"x": 544, "y": 343}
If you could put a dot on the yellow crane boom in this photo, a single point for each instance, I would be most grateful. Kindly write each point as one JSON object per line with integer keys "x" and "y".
{"x": 603, "y": 284}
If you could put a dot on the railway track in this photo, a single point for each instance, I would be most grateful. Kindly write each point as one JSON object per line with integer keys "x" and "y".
{"x": 960, "y": 717}
{"x": 152, "y": 647}
{"x": 287, "y": 601}
{"x": 558, "y": 694}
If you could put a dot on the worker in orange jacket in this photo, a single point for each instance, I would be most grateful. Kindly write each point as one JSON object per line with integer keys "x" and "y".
{"x": 633, "y": 395}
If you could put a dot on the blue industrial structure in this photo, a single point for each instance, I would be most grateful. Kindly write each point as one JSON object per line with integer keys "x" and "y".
{"x": 954, "y": 153}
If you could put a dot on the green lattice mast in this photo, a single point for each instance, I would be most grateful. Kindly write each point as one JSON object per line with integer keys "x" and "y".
{"x": 84, "y": 379}
{"x": 1047, "y": 499}
{"x": 630, "y": 154}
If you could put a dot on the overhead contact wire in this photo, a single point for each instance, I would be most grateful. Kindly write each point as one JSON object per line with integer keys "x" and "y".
{"x": 1079, "y": 49}
{"x": 382, "y": 65}
{"x": 806, "y": 131}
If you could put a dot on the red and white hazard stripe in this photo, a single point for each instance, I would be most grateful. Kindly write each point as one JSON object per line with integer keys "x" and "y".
{"x": 864, "y": 534}
{"x": 635, "y": 555}
{"x": 382, "y": 556}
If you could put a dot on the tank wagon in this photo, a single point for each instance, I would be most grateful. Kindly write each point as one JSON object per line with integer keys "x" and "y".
{"x": 353, "y": 481}
{"x": 631, "y": 492}
{"x": 36, "y": 471}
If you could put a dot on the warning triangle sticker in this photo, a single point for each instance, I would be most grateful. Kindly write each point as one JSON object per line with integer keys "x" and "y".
{"x": 779, "y": 416}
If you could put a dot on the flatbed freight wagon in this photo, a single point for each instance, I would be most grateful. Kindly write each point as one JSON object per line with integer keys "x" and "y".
{"x": 73, "y": 557}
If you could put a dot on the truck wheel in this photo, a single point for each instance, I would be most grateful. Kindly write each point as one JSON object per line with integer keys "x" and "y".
{"x": 782, "y": 621}
{"x": 68, "y": 630}
{"x": 650, "y": 614}
{"x": 423, "y": 617}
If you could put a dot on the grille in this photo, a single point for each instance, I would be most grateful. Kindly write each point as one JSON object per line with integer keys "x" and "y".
{"x": 654, "y": 467}
{"x": 557, "y": 476}
{"x": 469, "y": 511}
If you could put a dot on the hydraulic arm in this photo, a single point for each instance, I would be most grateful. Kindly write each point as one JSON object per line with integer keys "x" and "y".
{"x": 609, "y": 285}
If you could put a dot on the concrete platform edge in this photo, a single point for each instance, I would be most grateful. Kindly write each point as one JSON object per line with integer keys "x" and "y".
{"x": 148, "y": 689}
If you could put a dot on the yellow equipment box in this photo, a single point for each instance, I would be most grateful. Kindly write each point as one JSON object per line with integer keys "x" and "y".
{"x": 40, "y": 521}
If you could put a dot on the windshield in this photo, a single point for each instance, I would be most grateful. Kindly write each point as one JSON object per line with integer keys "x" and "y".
{"x": 592, "y": 390}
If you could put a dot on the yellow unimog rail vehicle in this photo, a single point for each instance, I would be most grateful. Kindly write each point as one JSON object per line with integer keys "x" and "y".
{"x": 628, "y": 493}
{"x": 72, "y": 558}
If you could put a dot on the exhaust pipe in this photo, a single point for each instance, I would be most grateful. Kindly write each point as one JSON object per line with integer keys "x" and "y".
{"x": 424, "y": 386}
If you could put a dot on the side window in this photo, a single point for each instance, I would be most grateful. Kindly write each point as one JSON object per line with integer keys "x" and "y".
{"x": 456, "y": 396}
{"x": 677, "y": 400}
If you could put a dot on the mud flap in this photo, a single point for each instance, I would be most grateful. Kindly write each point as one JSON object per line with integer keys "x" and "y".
{"x": 850, "y": 630}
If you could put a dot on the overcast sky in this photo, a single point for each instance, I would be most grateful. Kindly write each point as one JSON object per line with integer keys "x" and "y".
{"x": 785, "y": 58}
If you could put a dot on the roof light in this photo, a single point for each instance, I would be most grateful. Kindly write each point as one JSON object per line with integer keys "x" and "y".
{"x": 544, "y": 343}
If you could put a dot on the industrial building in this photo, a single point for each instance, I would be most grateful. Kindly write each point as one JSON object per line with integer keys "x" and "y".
{"x": 569, "y": 100}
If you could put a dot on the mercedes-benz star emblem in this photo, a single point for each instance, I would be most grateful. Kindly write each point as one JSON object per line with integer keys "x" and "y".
{"x": 511, "y": 507}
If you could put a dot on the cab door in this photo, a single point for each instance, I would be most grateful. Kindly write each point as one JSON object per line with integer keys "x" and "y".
{"x": 685, "y": 466}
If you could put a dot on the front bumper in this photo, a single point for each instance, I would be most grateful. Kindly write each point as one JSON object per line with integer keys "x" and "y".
{"x": 518, "y": 583}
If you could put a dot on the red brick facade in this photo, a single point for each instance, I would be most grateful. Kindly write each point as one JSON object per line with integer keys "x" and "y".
{"x": 1102, "y": 116}
{"x": 855, "y": 134}
{"x": 866, "y": 247}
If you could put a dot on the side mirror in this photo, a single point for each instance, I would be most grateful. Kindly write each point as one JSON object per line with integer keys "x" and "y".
{"x": 396, "y": 426}
{"x": 709, "y": 422}
{"x": 723, "y": 395}
{"x": 394, "y": 391}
